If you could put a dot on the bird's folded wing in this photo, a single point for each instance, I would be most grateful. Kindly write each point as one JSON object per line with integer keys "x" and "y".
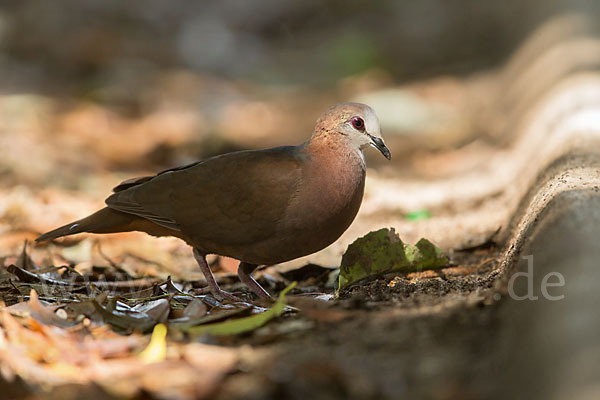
{"x": 127, "y": 203}
{"x": 126, "y": 184}
{"x": 235, "y": 198}
{"x": 122, "y": 203}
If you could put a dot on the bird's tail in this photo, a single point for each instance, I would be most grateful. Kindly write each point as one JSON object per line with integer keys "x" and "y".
{"x": 105, "y": 220}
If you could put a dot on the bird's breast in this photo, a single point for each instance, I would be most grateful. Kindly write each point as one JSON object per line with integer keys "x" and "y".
{"x": 327, "y": 201}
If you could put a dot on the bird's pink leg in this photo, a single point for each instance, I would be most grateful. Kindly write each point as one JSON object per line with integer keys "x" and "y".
{"x": 213, "y": 286}
{"x": 244, "y": 271}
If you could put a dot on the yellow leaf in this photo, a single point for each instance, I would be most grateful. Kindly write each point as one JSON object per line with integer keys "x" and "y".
{"x": 157, "y": 348}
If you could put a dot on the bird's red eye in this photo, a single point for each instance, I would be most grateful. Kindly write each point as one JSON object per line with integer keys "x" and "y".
{"x": 358, "y": 123}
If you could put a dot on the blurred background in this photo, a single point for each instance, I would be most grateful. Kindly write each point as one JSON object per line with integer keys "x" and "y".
{"x": 85, "y": 48}
{"x": 92, "y": 85}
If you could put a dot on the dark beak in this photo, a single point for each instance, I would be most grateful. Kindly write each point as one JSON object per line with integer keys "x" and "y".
{"x": 379, "y": 145}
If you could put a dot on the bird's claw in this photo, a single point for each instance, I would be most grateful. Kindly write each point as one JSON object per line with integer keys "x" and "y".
{"x": 221, "y": 294}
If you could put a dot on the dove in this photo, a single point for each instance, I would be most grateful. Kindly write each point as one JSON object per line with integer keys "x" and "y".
{"x": 261, "y": 207}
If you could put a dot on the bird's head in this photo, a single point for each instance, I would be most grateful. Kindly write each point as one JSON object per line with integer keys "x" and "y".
{"x": 357, "y": 122}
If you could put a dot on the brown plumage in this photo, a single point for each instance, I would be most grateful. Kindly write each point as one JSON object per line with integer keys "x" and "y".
{"x": 260, "y": 206}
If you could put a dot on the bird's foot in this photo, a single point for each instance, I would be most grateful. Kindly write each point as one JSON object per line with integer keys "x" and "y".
{"x": 221, "y": 294}
{"x": 244, "y": 271}
{"x": 256, "y": 288}
{"x": 213, "y": 286}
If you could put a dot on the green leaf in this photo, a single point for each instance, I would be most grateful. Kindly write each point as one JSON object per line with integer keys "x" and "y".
{"x": 380, "y": 252}
{"x": 418, "y": 215}
{"x": 240, "y": 325}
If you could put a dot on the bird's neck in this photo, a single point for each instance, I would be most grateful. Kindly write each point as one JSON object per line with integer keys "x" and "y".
{"x": 340, "y": 154}
{"x": 331, "y": 191}
{"x": 339, "y": 169}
